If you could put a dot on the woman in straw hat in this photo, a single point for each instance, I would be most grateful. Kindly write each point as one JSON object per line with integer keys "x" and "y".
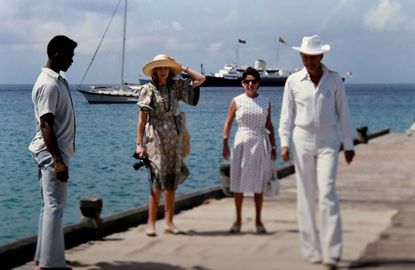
{"x": 158, "y": 131}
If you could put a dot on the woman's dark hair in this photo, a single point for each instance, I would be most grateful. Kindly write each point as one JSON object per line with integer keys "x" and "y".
{"x": 61, "y": 44}
{"x": 156, "y": 80}
{"x": 251, "y": 71}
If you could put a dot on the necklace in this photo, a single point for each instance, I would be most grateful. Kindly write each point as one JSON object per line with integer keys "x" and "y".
{"x": 166, "y": 100}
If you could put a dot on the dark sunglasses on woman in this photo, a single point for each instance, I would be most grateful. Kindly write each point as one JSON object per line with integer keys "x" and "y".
{"x": 254, "y": 81}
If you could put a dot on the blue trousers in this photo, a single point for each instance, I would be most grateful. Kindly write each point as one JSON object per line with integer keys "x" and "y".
{"x": 50, "y": 249}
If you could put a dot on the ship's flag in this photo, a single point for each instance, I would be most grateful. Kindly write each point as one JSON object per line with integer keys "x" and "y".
{"x": 350, "y": 74}
{"x": 243, "y": 41}
{"x": 280, "y": 39}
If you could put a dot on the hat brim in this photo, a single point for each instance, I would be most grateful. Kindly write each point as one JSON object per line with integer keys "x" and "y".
{"x": 174, "y": 67}
{"x": 325, "y": 48}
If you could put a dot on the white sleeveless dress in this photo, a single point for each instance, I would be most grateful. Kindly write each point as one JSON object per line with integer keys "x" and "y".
{"x": 251, "y": 153}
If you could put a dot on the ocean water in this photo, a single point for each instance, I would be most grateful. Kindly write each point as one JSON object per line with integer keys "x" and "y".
{"x": 106, "y": 135}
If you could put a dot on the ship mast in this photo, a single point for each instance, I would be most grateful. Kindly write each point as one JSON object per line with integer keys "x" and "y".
{"x": 279, "y": 41}
{"x": 276, "y": 55}
{"x": 242, "y": 41}
{"x": 236, "y": 54}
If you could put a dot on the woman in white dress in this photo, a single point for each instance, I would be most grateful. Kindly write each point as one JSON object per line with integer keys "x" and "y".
{"x": 253, "y": 149}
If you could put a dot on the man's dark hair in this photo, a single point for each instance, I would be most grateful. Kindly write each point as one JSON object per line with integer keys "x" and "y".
{"x": 251, "y": 71}
{"x": 61, "y": 44}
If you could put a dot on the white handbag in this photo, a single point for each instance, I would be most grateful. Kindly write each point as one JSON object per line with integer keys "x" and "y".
{"x": 224, "y": 170}
{"x": 272, "y": 187}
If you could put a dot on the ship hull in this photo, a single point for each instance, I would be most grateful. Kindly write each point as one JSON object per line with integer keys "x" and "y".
{"x": 212, "y": 81}
{"x": 109, "y": 97}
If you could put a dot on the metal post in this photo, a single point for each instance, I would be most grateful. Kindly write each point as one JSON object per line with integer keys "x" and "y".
{"x": 91, "y": 208}
{"x": 361, "y": 135}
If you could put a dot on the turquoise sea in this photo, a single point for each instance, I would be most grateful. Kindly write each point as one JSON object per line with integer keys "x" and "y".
{"x": 106, "y": 134}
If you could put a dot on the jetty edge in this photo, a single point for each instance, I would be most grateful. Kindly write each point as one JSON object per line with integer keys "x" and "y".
{"x": 22, "y": 251}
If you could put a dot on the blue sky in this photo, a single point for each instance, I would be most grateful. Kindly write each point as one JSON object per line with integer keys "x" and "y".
{"x": 374, "y": 39}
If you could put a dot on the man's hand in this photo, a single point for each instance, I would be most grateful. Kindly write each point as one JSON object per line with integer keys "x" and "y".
{"x": 285, "y": 153}
{"x": 61, "y": 171}
{"x": 349, "y": 155}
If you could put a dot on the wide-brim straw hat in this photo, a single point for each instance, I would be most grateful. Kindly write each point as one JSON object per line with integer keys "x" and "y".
{"x": 312, "y": 46}
{"x": 162, "y": 60}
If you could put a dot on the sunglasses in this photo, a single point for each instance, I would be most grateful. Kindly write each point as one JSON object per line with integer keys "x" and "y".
{"x": 254, "y": 81}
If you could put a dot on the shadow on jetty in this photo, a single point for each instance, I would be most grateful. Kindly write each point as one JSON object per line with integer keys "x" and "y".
{"x": 390, "y": 263}
{"x": 144, "y": 265}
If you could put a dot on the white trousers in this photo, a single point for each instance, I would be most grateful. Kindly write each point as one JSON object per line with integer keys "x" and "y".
{"x": 50, "y": 248}
{"x": 316, "y": 154}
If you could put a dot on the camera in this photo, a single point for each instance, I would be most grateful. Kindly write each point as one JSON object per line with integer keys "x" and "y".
{"x": 142, "y": 161}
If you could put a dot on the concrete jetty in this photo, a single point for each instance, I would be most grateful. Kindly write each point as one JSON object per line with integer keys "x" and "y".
{"x": 377, "y": 194}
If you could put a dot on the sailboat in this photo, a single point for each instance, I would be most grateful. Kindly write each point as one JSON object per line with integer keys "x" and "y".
{"x": 122, "y": 93}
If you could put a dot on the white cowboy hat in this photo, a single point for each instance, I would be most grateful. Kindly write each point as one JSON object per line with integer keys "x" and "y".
{"x": 312, "y": 46}
{"x": 162, "y": 60}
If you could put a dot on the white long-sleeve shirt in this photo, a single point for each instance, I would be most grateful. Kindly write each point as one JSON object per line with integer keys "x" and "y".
{"x": 307, "y": 106}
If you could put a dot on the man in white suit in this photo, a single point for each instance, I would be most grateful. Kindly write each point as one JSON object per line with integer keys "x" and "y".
{"x": 314, "y": 103}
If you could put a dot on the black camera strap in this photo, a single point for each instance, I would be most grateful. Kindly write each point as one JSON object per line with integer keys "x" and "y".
{"x": 145, "y": 161}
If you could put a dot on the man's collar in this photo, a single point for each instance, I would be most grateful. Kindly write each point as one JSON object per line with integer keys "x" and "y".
{"x": 304, "y": 75}
{"x": 53, "y": 74}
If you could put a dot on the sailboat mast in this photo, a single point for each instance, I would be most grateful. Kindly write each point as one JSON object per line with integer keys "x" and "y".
{"x": 123, "y": 46}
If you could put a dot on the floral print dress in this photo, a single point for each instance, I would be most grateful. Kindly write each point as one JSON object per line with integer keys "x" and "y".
{"x": 161, "y": 136}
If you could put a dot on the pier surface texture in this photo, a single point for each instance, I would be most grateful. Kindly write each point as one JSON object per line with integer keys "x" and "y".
{"x": 377, "y": 194}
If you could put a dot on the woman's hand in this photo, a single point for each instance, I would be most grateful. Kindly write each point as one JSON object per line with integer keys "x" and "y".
{"x": 274, "y": 154}
{"x": 226, "y": 151}
{"x": 141, "y": 151}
